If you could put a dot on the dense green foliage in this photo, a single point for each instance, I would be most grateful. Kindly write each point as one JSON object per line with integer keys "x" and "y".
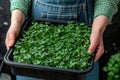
{"x": 62, "y": 46}
{"x": 113, "y": 67}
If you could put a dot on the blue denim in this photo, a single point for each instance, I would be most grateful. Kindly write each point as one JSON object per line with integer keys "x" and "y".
{"x": 75, "y": 10}
{"x": 94, "y": 74}
{"x": 26, "y": 78}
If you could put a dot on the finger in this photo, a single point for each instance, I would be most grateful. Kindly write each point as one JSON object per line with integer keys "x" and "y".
{"x": 10, "y": 40}
{"x": 93, "y": 43}
{"x": 92, "y": 47}
{"x": 99, "y": 51}
{"x": 7, "y": 42}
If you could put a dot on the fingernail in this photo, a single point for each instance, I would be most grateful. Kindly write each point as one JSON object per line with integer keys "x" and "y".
{"x": 95, "y": 60}
{"x": 9, "y": 45}
{"x": 89, "y": 52}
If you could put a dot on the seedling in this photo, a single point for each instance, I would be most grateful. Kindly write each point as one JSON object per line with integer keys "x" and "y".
{"x": 55, "y": 45}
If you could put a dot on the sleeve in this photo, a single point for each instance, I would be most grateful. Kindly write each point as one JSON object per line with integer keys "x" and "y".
{"x": 105, "y": 7}
{"x": 22, "y": 5}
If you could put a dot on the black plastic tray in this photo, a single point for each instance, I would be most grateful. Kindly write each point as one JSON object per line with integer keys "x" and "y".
{"x": 45, "y": 72}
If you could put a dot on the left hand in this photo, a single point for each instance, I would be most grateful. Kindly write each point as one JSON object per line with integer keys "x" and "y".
{"x": 96, "y": 38}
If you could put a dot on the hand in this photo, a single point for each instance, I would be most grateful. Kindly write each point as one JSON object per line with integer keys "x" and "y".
{"x": 96, "y": 45}
{"x": 96, "y": 38}
{"x": 15, "y": 27}
{"x": 11, "y": 36}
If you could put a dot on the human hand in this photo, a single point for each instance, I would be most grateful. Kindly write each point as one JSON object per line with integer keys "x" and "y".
{"x": 11, "y": 36}
{"x": 96, "y": 38}
{"x": 96, "y": 45}
{"x": 15, "y": 27}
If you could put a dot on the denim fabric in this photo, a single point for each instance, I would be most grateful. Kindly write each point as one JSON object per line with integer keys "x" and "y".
{"x": 26, "y": 78}
{"x": 75, "y": 10}
{"x": 94, "y": 74}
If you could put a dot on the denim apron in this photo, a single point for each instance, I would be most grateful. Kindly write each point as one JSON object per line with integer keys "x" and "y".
{"x": 75, "y": 10}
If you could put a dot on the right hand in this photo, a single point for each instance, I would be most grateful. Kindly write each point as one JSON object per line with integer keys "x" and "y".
{"x": 11, "y": 36}
{"x": 15, "y": 27}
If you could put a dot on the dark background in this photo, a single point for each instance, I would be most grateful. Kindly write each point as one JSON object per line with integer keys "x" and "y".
{"x": 111, "y": 36}
{"x": 111, "y": 42}
{"x": 4, "y": 25}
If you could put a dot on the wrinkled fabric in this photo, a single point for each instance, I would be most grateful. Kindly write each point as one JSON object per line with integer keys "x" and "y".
{"x": 69, "y": 10}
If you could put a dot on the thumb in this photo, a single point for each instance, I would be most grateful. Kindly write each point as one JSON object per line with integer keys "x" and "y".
{"x": 92, "y": 48}
{"x": 10, "y": 40}
{"x": 93, "y": 45}
{"x": 11, "y": 43}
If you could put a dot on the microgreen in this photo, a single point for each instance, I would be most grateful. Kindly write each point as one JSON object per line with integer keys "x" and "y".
{"x": 113, "y": 67}
{"x": 56, "y": 45}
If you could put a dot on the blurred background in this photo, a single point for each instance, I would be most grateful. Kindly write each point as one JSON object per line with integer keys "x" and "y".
{"x": 4, "y": 25}
{"x": 111, "y": 37}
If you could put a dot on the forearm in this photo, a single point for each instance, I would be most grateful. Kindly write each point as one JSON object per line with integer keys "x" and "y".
{"x": 17, "y": 18}
{"x": 99, "y": 24}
